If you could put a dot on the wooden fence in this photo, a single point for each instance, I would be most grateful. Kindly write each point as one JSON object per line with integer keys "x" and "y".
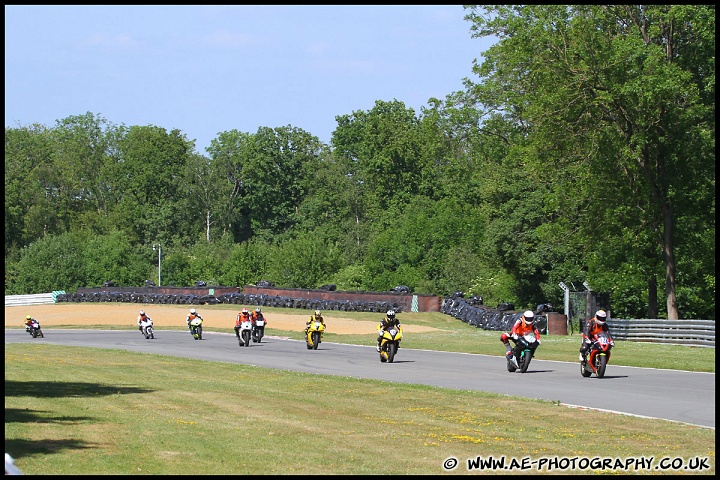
{"x": 699, "y": 333}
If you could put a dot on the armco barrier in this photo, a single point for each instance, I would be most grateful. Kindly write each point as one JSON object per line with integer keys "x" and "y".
{"x": 31, "y": 299}
{"x": 699, "y": 333}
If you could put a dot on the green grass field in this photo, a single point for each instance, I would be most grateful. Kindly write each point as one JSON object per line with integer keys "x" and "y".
{"x": 72, "y": 410}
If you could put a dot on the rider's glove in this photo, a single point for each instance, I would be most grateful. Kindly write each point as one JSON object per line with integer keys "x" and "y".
{"x": 586, "y": 340}
{"x": 514, "y": 336}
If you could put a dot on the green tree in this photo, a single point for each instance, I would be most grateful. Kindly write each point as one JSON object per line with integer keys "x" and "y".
{"x": 620, "y": 97}
{"x": 30, "y": 183}
{"x": 152, "y": 163}
{"x": 87, "y": 169}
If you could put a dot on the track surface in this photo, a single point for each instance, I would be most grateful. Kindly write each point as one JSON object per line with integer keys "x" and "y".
{"x": 687, "y": 397}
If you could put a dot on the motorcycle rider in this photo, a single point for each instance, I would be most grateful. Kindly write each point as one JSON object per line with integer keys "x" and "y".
{"x": 594, "y": 326}
{"x": 315, "y": 317}
{"x": 522, "y": 326}
{"x": 258, "y": 315}
{"x": 388, "y": 321}
{"x": 243, "y": 316}
{"x": 192, "y": 316}
{"x": 28, "y": 322}
{"x": 142, "y": 318}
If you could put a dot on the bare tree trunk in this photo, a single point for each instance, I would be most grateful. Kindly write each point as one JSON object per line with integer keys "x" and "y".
{"x": 207, "y": 227}
{"x": 672, "y": 308}
{"x": 652, "y": 311}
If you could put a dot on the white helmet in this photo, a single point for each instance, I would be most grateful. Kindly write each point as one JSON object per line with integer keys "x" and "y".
{"x": 142, "y": 312}
{"x": 192, "y": 311}
{"x": 600, "y": 316}
{"x": 528, "y": 316}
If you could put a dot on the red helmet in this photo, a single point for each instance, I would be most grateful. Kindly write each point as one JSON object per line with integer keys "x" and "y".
{"x": 245, "y": 312}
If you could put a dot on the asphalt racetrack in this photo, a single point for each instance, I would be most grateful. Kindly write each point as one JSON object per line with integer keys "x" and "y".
{"x": 687, "y": 397}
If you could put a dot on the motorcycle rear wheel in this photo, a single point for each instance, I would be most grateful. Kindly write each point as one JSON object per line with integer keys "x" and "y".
{"x": 510, "y": 366}
{"x": 585, "y": 370}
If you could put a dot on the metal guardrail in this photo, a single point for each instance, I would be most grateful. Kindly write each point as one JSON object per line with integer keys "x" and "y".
{"x": 699, "y": 333}
{"x": 32, "y": 299}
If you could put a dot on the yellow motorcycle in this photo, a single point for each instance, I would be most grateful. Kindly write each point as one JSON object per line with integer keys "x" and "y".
{"x": 313, "y": 334}
{"x": 196, "y": 328}
{"x": 390, "y": 343}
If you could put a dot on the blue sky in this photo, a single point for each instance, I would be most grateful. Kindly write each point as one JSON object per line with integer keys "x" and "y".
{"x": 209, "y": 69}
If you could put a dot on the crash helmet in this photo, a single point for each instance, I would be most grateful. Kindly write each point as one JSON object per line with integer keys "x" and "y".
{"x": 245, "y": 312}
{"x": 192, "y": 311}
{"x": 528, "y": 317}
{"x": 318, "y": 314}
{"x": 257, "y": 310}
{"x": 600, "y": 316}
{"x": 28, "y": 317}
{"x": 390, "y": 314}
{"x": 142, "y": 312}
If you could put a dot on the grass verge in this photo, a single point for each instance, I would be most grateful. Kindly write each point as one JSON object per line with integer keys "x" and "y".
{"x": 72, "y": 410}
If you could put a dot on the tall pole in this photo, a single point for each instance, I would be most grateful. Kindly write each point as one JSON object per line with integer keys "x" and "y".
{"x": 159, "y": 249}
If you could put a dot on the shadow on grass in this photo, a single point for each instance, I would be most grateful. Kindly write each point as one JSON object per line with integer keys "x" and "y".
{"x": 19, "y": 448}
{"x": 26, "y": 415}
{"x": 66, "y": 389}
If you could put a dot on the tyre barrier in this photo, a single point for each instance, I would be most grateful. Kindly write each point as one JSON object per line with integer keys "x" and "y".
{"x": 232, "y": 298}
{"x": 485, "y": 317}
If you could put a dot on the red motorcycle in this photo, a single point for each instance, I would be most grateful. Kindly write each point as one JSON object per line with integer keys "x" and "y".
{"x": 596, "y": 361}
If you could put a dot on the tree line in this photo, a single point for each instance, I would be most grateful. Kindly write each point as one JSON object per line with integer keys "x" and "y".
{"x": 581, "y": 151}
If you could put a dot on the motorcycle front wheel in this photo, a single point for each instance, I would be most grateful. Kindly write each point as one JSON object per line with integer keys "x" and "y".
{"x": 526, "y": 361}
{"x": 246, "y": 337}
{"x": 391, "y": 351}
{"x": 601, "y": 364}
{"x": 315, "y": 340}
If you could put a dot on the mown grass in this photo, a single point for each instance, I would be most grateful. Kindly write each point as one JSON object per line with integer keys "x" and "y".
{"x": 73, "y": 410}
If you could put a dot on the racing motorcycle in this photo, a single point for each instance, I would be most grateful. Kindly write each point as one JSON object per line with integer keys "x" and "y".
{"x": 258, "y": 330}
{"x": 390, "y": 343}
{"x": 34, "y": 329}
{"x": 596, "y": 361}
{"x": 245, "y": 332}
{"x": 313, "y": 334}
{"x": 147, "y": 328}
{"x": 522, "y": 353}
{"x": 196, "y": 328}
